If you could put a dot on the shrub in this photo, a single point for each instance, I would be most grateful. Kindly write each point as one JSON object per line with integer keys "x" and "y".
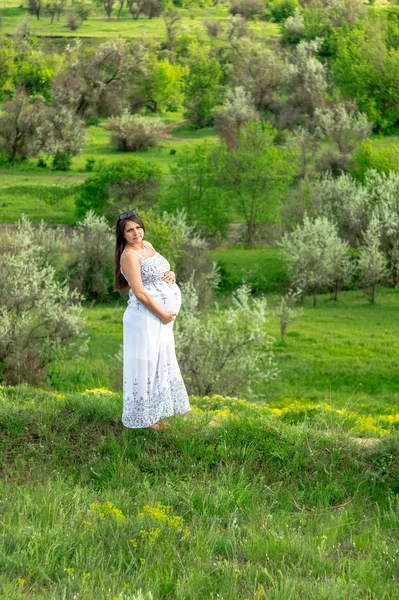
{"x": 40, "y": 318}
{"x": 248, "y": 8}
{"x": 316, "y": 257}
{"x": 131, "y": 133}
{"x": 91, "y": 266}
{"x": 74, "y": 21}
{"x": 62, "y": 162}
{"x": 223, "y": 352}
{"x": 372, "y": 262}
{"x": 117, "y": 187}
{"x": 213, "y": 27}
{"x": 280, "y": 10}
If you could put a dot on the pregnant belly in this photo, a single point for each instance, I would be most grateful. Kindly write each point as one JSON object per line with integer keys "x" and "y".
{"x": 166, "y": 295}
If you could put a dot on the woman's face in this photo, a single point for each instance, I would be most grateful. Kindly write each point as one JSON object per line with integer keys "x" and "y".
{"x": 133, "y": 232}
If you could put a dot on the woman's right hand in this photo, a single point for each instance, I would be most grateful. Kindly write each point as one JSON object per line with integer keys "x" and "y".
{"x": 167, "y": 317}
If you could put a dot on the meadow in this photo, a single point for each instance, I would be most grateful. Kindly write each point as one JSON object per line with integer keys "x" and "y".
{"x": 98, "y": 27}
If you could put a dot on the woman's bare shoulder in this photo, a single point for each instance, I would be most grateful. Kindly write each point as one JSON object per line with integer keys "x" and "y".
{"x": 148, "y": 244}
{"x": 128, "y": 256}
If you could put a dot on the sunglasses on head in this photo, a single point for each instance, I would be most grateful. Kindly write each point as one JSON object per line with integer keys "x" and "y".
{"x": 129, "y": 213}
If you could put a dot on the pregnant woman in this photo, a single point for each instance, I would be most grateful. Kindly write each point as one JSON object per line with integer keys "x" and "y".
{"x": 153, "y": 387}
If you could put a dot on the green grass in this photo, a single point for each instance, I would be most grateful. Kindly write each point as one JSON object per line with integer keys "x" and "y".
{"x": 99, "y": 27}
{"x": 241, "y": 507}
{"x": 341, "y": 353}
{"x": 262, "y": 268}
{"x": 23, "y": 185}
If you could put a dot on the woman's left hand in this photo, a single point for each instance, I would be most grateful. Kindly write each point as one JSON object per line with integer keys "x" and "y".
{"x": 170, "y": 277}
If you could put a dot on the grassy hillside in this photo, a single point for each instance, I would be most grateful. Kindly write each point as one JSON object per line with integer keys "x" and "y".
{"x": 224, "y": 504}
{"x": 341, "y": 353}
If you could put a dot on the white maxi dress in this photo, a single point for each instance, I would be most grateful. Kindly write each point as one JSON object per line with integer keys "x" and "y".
{"x": 153, "y": 387}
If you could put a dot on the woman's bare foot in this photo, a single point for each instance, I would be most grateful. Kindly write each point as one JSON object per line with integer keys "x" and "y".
{"x": 163, "y": 424}
{"x": 155, "y": 426}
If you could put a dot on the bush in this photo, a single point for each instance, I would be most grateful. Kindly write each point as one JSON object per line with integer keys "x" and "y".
{"x": 280, "y": 10}
{"x": 131, "y": 133}
{"x": 91, "y": 267}
{"x": 366, "y": 157}
{"x": 62, "y": 162}
{"x": 117, "y": 187}
{"x": 74, "y": 22}
{"x": 248, "y": 8}
{"x": 40, "y": 318}
{"x": 223, "y": 352}
{"x": 213, "y": 27}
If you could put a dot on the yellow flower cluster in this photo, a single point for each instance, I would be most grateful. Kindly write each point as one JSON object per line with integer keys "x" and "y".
{"x": 101, "y": 390}
{"x": 223, "y": 407}
{"x": 159, "y": 513}
{"x": 107, "y": 508}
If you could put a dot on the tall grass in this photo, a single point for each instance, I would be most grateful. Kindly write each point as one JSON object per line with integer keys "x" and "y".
{"x": 218, "y": 506}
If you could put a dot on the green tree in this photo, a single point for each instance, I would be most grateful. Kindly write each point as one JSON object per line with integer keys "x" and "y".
{"x": 366, "y": 70}
{"x": 193, "y": 187}
{"x": 7, "y": 67}
{"x": 202, "y": 87}
{"x": 255, "y": 174}
{"x": 119, "y": 186}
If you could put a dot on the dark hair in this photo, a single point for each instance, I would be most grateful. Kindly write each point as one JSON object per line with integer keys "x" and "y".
{"x": 120, "y": 282}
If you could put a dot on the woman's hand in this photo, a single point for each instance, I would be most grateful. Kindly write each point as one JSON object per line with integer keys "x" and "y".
{"x": 170, "y": 277}
{"x": 167, "y": 317}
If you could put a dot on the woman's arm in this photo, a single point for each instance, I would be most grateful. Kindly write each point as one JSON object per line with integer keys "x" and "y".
{"x": 130, "y": 263}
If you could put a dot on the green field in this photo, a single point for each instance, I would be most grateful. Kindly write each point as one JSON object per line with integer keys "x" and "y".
{"x": 99, "y": 27}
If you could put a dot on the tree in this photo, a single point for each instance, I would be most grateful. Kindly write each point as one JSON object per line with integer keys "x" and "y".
{"x": 365, "y": 70}
{"x": 55, "y": 8}
{"x": 40, "y": 317}
{"x": 118, "y": 187}
{"x": 307, "y": 84}
{"x": 202, "y": 87}
{"x": 91, "y": 264}
{"x": 172, "y": 22}
{"x": 194, "y": 188}
{"x": 7, "y": 67}
{"x": 248, "y": 8}
{"x": 223, "y": 352}
{"x": 372, "y": 262}
{"x": 346, "y": 128}
{"x": 238, "y": 108}
{"x": 97, "y": 79}
{"x": 311, "y": 255}
{"x": 35, "y": 7}
{"x": 108, "y": 6}
{"x": 261, "y": 71}
{"x": 20, "y": 126}
{"x": 131, "y": 133}
{"x": 255, "y": 174}
{"x": 159, "y": 88}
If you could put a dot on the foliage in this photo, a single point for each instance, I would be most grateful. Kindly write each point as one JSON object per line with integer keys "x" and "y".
{"x": 365, "y": 70}
{"x": 367, "y": 156}
{"x": 91, "y": 264}
{"x": 131, "y": 133}
{"x": 160, "y": 88}
{"x": 248, "y": 8}
{"x": 281, "y": 10}
{"x": 344, "y": 128}
{"x": 260, "y": 70}
{"x": 316, "y": 257}
{"x": 21, "y": 123}
{"x": 40, "y": 317}
{"x": 238, "y": 108}
{"x": 255, "y": 173}
{"x": 221, "y": 353}
{"x": 202, "y": 87}
{"x": 286, "y": 310}
{"x": 117, "y": 187}
{"x": 194, "y": 188}
{"x": 372, "y": 262}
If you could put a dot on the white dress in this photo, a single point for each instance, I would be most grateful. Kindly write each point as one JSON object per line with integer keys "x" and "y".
{"x": 153, "y": 387}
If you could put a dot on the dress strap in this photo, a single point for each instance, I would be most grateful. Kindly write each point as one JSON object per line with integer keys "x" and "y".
{"x": 142, "y": 258}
